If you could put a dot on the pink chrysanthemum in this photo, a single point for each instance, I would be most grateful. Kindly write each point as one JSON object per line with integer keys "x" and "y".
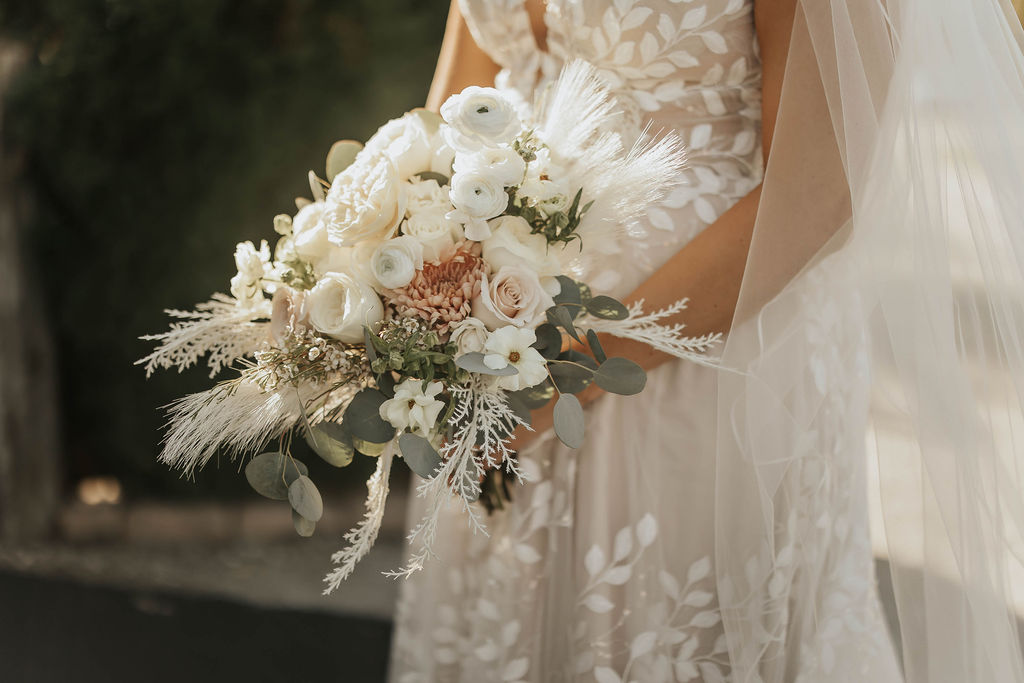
{"x": 441, "y": 293}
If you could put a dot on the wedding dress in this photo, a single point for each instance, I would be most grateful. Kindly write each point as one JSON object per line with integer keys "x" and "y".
{"x": 604, "y": 566}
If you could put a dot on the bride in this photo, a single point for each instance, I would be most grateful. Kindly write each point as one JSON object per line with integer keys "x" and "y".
{"x": 715, "y": 527}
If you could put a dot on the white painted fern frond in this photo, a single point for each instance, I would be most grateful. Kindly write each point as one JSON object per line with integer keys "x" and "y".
{"x": 362, "y": 537}
{"x": 236, "y": 417}
{"x": 484, "y": 423}
{"x": 649, "y": 329}
{"x": 220, "y": 327}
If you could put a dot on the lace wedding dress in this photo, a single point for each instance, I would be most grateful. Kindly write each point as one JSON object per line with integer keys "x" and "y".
{"x": 602, "y": 569}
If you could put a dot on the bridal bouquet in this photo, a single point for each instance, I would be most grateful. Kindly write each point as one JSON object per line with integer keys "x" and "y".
{"x": 424, "y": 302}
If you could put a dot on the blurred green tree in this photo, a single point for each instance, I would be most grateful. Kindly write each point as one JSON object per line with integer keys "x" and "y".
{"x": 157, "y": 133}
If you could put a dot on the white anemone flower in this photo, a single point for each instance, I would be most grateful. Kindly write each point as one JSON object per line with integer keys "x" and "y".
{"x": 511, "y": 345}
{"x": 413, "y": 409}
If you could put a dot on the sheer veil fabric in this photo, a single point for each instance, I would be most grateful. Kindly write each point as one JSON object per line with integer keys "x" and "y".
{"x": 715, "y": 527}
{"x": 890, "y": 243}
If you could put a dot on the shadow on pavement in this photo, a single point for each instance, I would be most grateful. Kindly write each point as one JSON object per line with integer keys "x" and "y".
{"x": 58, "y": 631}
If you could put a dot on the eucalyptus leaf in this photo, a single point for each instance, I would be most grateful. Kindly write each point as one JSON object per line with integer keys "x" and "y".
{"x": 431, "y": 119}
{"x": 362, "y": 417}
{"x": 519, "y": 407}
{"x": 439, "y": 178}
{"x": 535, "y": 396}
{"x": 474, "y": 362}
{"x": 270, "y": 474}
{"x": 595, "y": 346}
{"x": 341, "y": 156}
{"x": 419, "y": 455}
{"x": 569, "y": 377}
{"x": 316, "y": 188}
{"x": 569, "y": 427}
{"x": 570, "y": 292}
{"x": 369, "y": 448}
{"x": 621, "y": 376}
{"x": 561, "y": 315}
{"x": 331, "y": 442}
{"x": 303, "y": 526}
{"x": 606, "y": 307}
{"x": 305, "y": 499}
{"x": 549, "y": 341}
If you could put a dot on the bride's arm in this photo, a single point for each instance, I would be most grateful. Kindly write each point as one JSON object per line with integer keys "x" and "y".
{"x": 461, "y": 62}
{"x": 709, "y": 269}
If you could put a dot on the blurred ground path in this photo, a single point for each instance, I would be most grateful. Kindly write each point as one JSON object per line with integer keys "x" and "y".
{"x": 58, "y": 631}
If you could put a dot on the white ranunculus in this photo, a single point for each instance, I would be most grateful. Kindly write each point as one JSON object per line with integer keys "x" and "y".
{"x": 406, "y": 142}
{"x": 366, "y": 201}
{"x": 394, "y": 263}
{"x": 512, "y": 243}
{"x": 435, "y": 232}
{"x": 469, "y": 335}
{"x": 479, "y": 117}
{"x": 477, "y": 198}
{"x": 426, "y": 195}
{"x": 339, "y": 306}
{"x": 253, "y": 265}
{"x": 512, "y": 296}
{"x": 413, "y": 409}
{"x": 512, "y": 346}
{"x": 501, "y": 163}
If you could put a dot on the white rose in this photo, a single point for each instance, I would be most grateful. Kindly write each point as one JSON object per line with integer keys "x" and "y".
{"x": 476, "y": 197}
{"x": 512, "y": 346}
{"x": 501, "y": 163}
{"x": 413, "y": 409}
{"x": 512, "y": 296}
{"x": 366, "y": 201}
{"x": 406, "y": 142}
{"x": 339, "y": 306}
{"x": 436, "y": 233}
{"x": 287, "y": 313}
{"x": 426, "y": 195}
{"x": 252, "y": 267}
{"x": 469, "y": 335}
{"x": 394, "y": 263}
{"x": 479, "y": 117}
{"x": 512, "y": 243}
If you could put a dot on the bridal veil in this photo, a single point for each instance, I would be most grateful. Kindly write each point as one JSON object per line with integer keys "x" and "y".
{"x": 889, "y": 241}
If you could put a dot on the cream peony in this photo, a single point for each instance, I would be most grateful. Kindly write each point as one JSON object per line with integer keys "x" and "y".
{"x": 413, "y": 409}
{"x": 512, "y": 346}
{"x": 394, "y": 263}
{"x": 366, "y": 201}
{"x": 512, "y": 296}
{"x": 479, "y": 117}
{"x": 339, "y": 306}
{"x": 476, "y": 197}
{"x": 469, "y": 335}
{"x": 406, "y": 142}
{"x": 512, "y": 243}
{"x": 503, "y": 164}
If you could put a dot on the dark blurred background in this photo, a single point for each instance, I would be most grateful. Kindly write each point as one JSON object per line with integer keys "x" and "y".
{"x": 141, "y": 139}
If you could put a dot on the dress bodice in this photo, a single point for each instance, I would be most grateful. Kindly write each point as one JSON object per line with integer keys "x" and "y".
{"x": 686, "y": 65}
